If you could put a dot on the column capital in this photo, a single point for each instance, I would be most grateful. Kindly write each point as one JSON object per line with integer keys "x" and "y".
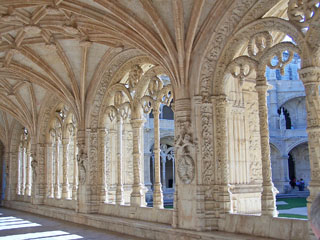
{"x": 262, "y": 87}
{"x": 137, "y": 122}
{"x": 102, "y": 132}
{"x": 310, "y": 75}
{"x": 220, "y": 100}
{"x": 65, "y": 141}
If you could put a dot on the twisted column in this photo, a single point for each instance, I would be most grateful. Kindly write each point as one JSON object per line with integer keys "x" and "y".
{"x": 65, "y": 180}
{"x": 268, "y": 203}
{"x": 119, "y": 190}
{"x": 137, "y": 196}
{"x": 157, "y": 193}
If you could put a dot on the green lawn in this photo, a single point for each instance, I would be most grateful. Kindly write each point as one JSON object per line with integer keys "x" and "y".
{"x": 283, "y": 215}
{"x": 292, "y": 203}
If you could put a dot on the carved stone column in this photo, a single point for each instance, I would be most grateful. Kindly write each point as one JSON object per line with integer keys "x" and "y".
{"x": 75, "y": 169}
{"x": 268, "y": 203}
{"x": 56, "y": 170}
{"x": 137, "y": 196}
{"x": 65, "y": 180}
{"x": 185, "y": 202}
{"x": 102, "y": 161}
{"x": 310, "y": 77}
{"x": 28, "y": 173}
{"x": 23, "y": 169}
{"x": 164, "y": 172}
{"x": 119, "y": 190}
{"x": 157, "y": 192}
{"x": 19, "y": 172}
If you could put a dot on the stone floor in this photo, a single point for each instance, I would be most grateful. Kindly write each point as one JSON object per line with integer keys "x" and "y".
{"x": 16, "y": 225}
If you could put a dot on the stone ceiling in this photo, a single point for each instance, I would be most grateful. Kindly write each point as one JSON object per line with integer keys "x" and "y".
{"x": 60, "y": 46}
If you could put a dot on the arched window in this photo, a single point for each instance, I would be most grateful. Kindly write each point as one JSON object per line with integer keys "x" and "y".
{"x": 138, "y": 100}
{"x": 62, "y": 172}
{"x": 24, "y": 181}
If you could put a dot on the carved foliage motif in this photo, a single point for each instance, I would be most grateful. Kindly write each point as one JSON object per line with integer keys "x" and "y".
{"x": 217, "y": 44}
{"x": 301, "y": 12}
{"x": 254, "y": 141}
{"x": 221, "y": 140}
{"x": 93, "y": 156}
{"x": 314, "y": 154}
{"x": 207, "y": 146}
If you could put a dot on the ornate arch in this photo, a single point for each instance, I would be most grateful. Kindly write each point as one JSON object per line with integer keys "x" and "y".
{"x": 45, "y": 114}
{"x": 245, "y": 34}
{"x": 216, "y": 45}
{"x": 120, "y": 65}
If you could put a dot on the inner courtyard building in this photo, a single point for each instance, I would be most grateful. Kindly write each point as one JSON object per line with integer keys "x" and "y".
{"x": 163, "y": 119}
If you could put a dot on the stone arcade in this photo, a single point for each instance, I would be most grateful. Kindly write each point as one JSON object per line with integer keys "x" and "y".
{"x": 79, "y": 80}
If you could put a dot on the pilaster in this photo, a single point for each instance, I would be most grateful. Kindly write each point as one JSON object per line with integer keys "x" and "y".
{"x": 102, "y": 160}
{"x": 310, "y": 77}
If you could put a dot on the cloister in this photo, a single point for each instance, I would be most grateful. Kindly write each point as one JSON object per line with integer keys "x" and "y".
{"x": 84, "y": 84}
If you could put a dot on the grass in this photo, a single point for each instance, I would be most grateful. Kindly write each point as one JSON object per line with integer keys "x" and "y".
{"x": 292, "y": 203}
{"x": 283, "y": 215}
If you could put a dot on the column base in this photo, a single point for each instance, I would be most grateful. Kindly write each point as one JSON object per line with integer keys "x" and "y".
{"x": 268, "y": 201}
{"x": 103, "y": 194}
{"x": 157, "y": 197}
{"x": 137, "y": 198}
{"x": 65, "y": 191}
{"x": 119, "y": 195}
{"x": 56, "y": 192}
{"x": 28, "y": 190}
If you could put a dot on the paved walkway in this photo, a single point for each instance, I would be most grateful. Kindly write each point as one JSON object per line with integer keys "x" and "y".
{"x": 16, "y": 225}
